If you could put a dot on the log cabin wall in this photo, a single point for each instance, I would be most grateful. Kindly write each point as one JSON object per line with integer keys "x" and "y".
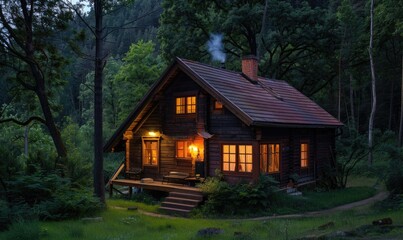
{"x": 173, "y": 127}
{"x": 325, "y": 150}
{"x": 280, "y": 136}
{"x": 153, "y": 122}
{"x": 228, "y": 129}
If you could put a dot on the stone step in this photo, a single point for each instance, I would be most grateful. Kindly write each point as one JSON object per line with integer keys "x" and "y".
{"x": 178, "y": 206}
{"x": 182, "y": 200}
{"x": 175, "y": 211}
{"x": 194, "y": 196}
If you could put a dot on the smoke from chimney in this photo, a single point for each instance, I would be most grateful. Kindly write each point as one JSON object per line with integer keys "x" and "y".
{"x": 216, "y": 47}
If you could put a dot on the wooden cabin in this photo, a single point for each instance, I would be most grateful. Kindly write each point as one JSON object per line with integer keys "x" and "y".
{"x": 198, "y": 118}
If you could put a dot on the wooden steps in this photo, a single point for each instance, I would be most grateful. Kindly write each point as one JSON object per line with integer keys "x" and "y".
{"x": 181, "y": 203}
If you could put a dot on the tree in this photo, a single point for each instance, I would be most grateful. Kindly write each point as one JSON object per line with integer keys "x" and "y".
{"x": 297, "y": 42}
{"x": 100, "y": 33}
{"x": 29, "y": 29}
{"x": 373, "y": 87}
{"x": 141, "y": 68}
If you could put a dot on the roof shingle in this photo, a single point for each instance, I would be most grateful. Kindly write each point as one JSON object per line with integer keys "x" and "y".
{"x": 268, "y": 102}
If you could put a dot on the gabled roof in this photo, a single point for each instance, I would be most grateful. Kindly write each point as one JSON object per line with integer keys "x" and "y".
{"x": 265, "y": 102}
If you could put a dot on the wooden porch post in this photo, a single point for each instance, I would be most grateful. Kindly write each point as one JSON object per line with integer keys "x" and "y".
{"x": 128, "y": 135}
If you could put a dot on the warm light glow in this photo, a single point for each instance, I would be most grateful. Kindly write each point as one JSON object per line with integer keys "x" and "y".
{"x": 152, "y": 133}
{"x": 194, "y": 150}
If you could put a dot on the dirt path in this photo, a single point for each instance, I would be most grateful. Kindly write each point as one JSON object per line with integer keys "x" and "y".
{"x": 377, "y": 198}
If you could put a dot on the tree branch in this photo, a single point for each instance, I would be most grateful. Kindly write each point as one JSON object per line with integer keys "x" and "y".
{"x": 23, "y": 123}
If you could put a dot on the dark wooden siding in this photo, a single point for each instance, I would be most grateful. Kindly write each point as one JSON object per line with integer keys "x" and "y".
{"x": 228, "y": 129}
{"x": 172, "y": 127}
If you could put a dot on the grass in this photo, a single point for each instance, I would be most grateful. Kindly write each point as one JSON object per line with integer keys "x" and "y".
{"x": 314, "y": 201}
{"x": 119, "y": 223}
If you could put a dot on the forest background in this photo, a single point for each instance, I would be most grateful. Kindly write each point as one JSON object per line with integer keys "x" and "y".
{"x": 319, "y": 47}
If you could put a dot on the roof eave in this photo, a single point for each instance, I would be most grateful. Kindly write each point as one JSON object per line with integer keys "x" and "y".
{"x": 294, "y": 125}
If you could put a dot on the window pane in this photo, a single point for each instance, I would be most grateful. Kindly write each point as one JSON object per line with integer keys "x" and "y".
{"x": 274, "y": 157}
{"x": 191, "y": 104}
{"x": 150, "y": 152}
{"x": 232, "y": 167}
{"x": 226, "y": 166}
{"x": 245, "y": 155}
{"x": 263, "y": 158}
{"x": 304, "y": 155}
{"x": 229, "y": 157}
{"x": 180, "y": 105}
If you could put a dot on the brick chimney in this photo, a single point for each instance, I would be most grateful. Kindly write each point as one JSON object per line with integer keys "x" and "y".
{"x": 250, "y": 66}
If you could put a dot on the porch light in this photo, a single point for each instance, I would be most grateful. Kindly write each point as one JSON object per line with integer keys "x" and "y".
{"x": 194, "y": 150}
{"x": 152, "y": 133}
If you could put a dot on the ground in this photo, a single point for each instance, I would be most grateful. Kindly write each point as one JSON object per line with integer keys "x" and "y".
{"x": 132, "y": 220}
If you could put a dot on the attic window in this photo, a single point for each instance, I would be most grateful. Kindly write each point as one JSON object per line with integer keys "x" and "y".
{"x": 186, "y": 105}
{"x": 217, "y": 105}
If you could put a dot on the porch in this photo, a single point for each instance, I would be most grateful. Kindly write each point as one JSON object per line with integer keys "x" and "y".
{"x": 155, "y": 185}
{"x": 180, "y": 201}
{"x": 185, "y": 186}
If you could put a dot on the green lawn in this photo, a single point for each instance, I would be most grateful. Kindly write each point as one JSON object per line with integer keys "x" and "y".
{"x": 120, "y": 223}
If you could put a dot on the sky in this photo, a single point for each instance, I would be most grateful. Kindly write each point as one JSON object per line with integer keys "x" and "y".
{"x": 86, "y": 3}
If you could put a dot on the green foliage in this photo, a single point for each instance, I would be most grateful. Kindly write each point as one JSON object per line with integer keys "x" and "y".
{"x": 68, "y": 203}
{"x": 239, "y": 199}
{"x": 295, "y": 43}
{"x": 48, "y": 196}
{"x": 78, "y": 164}
{"x": 394, "y": 175}
{"x": 351, "y": 151}
{"x": 125, "y": 85}
{"x": 24, "y": 230}
{"x": 4, "y": 215}
{"x": 141, "y": 68}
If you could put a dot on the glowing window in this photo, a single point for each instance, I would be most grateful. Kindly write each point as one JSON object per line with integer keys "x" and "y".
{"x": 304, "y": 155}
{"x": 237, "y": 158}
{"x": 218, "y": 105}
{"x": 185, "y": 105}
{"x": 150, "y": 152}
{"x": 182, "y": 149}
{"x": 269, "y": 158}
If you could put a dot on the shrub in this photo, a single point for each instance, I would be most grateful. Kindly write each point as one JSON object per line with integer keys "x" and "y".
{"x": 4, "y": 215}
{"x": 68, "y": 203}
{"x": 239, "y": 199}
{"x": 395, "y": 177}
{"x": 24, "y": 230}
{"x": 48, "y": 196}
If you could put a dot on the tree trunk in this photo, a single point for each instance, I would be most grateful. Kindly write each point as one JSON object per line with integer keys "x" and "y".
{"x": 99, "y": 185}
{"x": 391, "y": 102}
{"x": 51, "y": 125}
{"x": 40, "y": 91}
{"x": 401, "y": 112}
{"x": 373, "y": 85}
{"x": 339, "y": 94}
{"x": 352, "y": 109}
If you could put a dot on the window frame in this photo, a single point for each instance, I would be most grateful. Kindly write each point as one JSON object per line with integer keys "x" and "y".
{"x": 235, "y": 157}
{"x": 144, "y": 151}
{"x": 268, "y": 154}
{"x": 306, "y": 160}
{"x": 187, "y": 105}
{"x": 185, "y": 149}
